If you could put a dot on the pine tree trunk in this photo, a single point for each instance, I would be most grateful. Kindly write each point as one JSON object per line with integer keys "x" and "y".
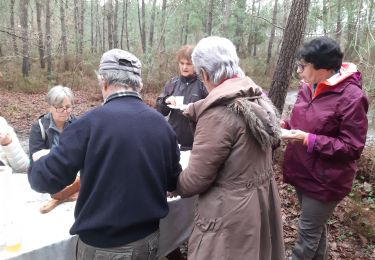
{"x": 97, "y": 26}
{"x": 115, "y": 26}
{"x": 81, "y": 28}
{"x": 272, "y": 37}
{"x": 369, "y": 21}
{"x": 125, "y": 23}
{"x": 143, "y": 32}
{"x": 152, "y": 25}
{"x": 76, "y": 29}
{"x": 226, "y": 4}
{"x": 109, "y": 24}
{"x": 163, "y": 25}
{"x": 48, "y": 40}
{"x": 357, "y": 40}
{"x": 256, "y": 33}
{"x": 103, "y": 28}
{"x": 40, "y": 33}
{"x": 209, "y": 17}
{"x": 14, "y": 38}
{"x": 338, "y": 22}
{"x": 325, "y": 18}
{"x": 63, "y": 35}
{"x": 186, "y": 32}
{"x": 24, "y": 14}
{"x": 92, "y": 26}
{"x": 250, "y": 39}
{"x": 292, "y": 39}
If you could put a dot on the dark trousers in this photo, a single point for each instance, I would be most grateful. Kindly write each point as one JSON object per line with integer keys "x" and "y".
{"x": 312, "y": 229}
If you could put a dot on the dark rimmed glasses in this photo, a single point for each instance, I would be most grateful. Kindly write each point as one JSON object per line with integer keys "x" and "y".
{"x": 63, "y": 109}
{"x": 301, "y": 67}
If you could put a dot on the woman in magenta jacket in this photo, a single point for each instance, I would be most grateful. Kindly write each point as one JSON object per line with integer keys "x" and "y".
{"x": 328, "y": 133}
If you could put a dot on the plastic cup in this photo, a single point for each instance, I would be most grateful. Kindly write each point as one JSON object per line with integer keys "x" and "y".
{"x": 179, "y": 100}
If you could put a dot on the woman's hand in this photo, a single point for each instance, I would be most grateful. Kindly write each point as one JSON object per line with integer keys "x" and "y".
{"x": 295, "y": 136}
{"x": 171, "y": 100}
{"x": 283, "y": 124}
{"x": 172, "y": 194}
{"x": 5, "y": 139}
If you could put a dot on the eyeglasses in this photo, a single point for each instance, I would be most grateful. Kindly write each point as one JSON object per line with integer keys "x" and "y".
{"x": 301, "y": 67}
{"x": 63, "y": 109}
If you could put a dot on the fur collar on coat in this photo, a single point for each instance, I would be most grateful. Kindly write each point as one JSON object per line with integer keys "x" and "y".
{"x": 246, "y": 99}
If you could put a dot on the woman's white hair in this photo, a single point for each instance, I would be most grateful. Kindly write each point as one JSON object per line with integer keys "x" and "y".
{"x": 218, "y": 57}
{"x": 57, "y": 94}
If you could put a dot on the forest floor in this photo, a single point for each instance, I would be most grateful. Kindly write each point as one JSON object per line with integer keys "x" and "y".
{"x": 345, "y": 240}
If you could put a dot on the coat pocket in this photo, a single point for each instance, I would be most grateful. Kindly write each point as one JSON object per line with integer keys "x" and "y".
{"x": 207, "y": 224}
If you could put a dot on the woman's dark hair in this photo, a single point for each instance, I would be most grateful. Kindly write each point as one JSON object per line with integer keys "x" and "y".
{"x": 322, "y": 52}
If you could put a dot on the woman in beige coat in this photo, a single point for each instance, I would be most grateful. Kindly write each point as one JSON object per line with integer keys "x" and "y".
{"x": 230, "y": 167}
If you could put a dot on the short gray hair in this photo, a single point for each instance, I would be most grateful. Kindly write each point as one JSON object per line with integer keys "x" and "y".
{"x": 57, "y": 94}
{"x": 218, "y": 57}
{"x": 122, "y": 79}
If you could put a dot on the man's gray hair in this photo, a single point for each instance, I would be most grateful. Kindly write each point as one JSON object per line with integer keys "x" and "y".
{"x": 122, "y": 79}
{"x": 218, "y": 57}
{"x": 57, "y": 94}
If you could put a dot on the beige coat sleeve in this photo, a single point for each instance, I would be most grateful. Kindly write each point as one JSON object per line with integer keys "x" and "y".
{"x": 212, "y": 144}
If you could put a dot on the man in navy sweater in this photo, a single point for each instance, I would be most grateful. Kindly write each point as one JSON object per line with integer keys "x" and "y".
{"x": 128, "y": 158}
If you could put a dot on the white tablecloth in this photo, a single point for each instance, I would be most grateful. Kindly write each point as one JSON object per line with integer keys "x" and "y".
{"x": 46, "y": 236}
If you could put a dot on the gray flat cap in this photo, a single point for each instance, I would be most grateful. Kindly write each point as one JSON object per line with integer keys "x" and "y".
{"x": 117, "y": 59}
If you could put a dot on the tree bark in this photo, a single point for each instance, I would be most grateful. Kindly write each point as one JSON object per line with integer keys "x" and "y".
{"x": 14, "y": 39}
{"x": 64, "y": 43}
{"x": 226, "y": 7}
{"x": 185, "y": 27}
{"x": 24, "y": 15}
{"x": 109, "y": 24}
{"x": 125, "y": 23}
{"x": 152, "y": 25}
{"x": 103, "y": 28}
{"x": 351, "y": 28}
{"x": 292, "y": 39}
{"x": 76, "y": 28}
{"x": 143, "y": 31}
{"x": 369, "y": 21}
{"x": 338, "y": 22}
{"x": 239, "y": 31}
{"x": 115, "y": 26}
{"x": 81, "y": 28}
{"x": 97, "y": 26}
{"x": 92, "y": 26}
{"x": 210, "y": 11}
{"x": 325, "y": 17}
{"x": 250, "y": 39}
{"x": 40, "y": 33}
{"x": 272, "y": 36}
{"x": 48, "y": 40}
{"x": 256, "y": 32}
{"x": 357, "y": 40}
{"x": 163, "y": 25}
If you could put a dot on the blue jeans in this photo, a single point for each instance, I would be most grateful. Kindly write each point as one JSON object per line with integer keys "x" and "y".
{"x": 143, "y": 249}
{"x": 312, "y": 232}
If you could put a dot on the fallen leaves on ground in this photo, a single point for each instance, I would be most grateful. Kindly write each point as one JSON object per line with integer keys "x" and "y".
{"x": 21, "y": 110}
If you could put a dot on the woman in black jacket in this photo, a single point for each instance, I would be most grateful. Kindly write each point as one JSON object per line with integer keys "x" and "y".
{"x": 45, "y": 132}
{"x": 191, "y": 88}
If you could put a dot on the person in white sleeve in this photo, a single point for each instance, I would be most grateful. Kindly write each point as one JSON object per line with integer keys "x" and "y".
{"x": 11, "y": 152}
